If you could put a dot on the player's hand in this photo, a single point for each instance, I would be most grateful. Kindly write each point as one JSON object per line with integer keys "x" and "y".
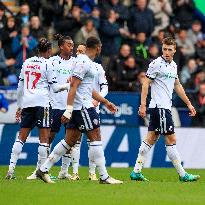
{"x": 67, "y": 114}
{"x": 18, "y": 115}
{"x": 192, "y": 110}
{"x": 95, "y": 103}
{"x": 64, "y": 119}
{"x": 111, "y": 107}
{"x": 69, "y": 79}
{"x": 142, "y": 111}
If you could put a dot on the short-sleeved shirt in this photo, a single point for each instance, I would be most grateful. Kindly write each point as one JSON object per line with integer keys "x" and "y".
{"x": 100, "y": 81}
{"x": 164, "y": 75}
{"x": 85, "y": 71}
{"x": 36, "y": 74}
{"x": 63, "y": 69}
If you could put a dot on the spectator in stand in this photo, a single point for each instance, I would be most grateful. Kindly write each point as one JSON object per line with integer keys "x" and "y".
{"x": 48, "y": 11}
{"x": 3, "y": 17}
{"x": 200, "y": 50}
{"x": 198, "y": 101}
{"x": 71, "y": 24}
{"x": 153, "y": 53}
{"x": 195, "y": 32}
{"x": 141, "y": 18}
{"x": 120, "y": 10}
{"x": 7, "y": 34}
{"x": 162, "y": 11}
{"x": 85, "y": 32}
{"x": 34, "y": 5}
{"x": 190, "y": 68}
{"x": 23, "y": 17}
{"x": 4, "y": 105}
{"x": 95, "y": 17}
{"x": 127, "y": 75}
{"x": 196, "y": 78}
{"x": 23, "y": 46}
{"x": 6, "y": 67}
{"x": 140, "y": 78}
{"x": 111, "y": 36}
{"x": 157, "y": 40}
{"x": 183, "y": 12}
{"x": 115, "y": 63}
{"x": 140, "y": 49}
{"x": 185, "y": 44}
{"x": 36, "y": 30}
{"x": 86, "y": 5}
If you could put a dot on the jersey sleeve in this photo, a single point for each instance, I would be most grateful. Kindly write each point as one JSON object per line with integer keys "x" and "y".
{"x": 103, "y": 83}
{"x": 51, "y": 74}
{"x": 79, "y": 70}
{"x": 20, "y": 89}
{"x": 152, "y": 70}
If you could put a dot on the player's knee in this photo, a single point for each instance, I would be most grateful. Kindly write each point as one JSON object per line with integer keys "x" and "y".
{"x": 170, "y": 140}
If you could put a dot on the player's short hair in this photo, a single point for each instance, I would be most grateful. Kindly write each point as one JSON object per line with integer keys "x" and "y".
{"x": 61, "y": 39}
{"x": 44, "y": 45}
{"x": 169, "y": 41}
{"x": 93, "y": 42}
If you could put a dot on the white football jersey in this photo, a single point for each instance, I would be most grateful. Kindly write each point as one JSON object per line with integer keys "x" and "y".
{"x": 164, "y": 75}
{"x": 36, "y": 75}
{"x": 85, "y": 71}
{"x": 100, "y": 82}
{"x": 63, "y": 69}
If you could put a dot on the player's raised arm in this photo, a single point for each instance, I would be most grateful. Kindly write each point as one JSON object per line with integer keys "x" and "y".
{"x": 181, "y": 93}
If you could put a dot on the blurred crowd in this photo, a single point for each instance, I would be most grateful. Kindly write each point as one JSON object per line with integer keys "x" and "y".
{"x": 131, "y": 32}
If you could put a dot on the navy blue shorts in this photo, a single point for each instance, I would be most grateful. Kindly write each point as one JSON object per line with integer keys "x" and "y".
{"x": 161, "y": 121}
{"x": 84, "y": 119}
{"x": 36, "y": 116}
{"x": 56, "y": 120}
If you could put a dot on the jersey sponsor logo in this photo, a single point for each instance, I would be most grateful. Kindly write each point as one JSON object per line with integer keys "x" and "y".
{"x": 169, "y": 75}
{"x": 64, "y": 71}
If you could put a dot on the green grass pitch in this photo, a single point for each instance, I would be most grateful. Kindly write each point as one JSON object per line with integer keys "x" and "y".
{"x": 163, "y": 189}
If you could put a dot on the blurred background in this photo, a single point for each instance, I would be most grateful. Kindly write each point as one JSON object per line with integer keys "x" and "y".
{"x": 131, "y": 32}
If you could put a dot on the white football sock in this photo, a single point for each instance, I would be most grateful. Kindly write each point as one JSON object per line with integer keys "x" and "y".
{"x": 143, "y": 150}
{"x": 66, "y": 160}
{"x": 96, "y": 154}
{"x": 59, "y": 150}
{"x": 43, "y": 152}
{"x": 16, "y": 151}
{"x": 175, "y": 158}
{"x": 75, "y": 157}
{"x": 92, "y": 165}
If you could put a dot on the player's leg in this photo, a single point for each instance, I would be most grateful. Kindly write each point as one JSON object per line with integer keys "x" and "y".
{"x": 151, "y": 138}
{"x": 16, "y": 151}
{"x": 44, "y": 119}
{"x": 59, "y": 150}
{"x": 144, "y": 149}
{"x": 27, "y": 123}
{"x": 66, "y": 160}
{"x": 75, "y": 157}
{"x": 96, "y": 154}
{"x": 92, "y": 166}
{"x": 174, "y": 156}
